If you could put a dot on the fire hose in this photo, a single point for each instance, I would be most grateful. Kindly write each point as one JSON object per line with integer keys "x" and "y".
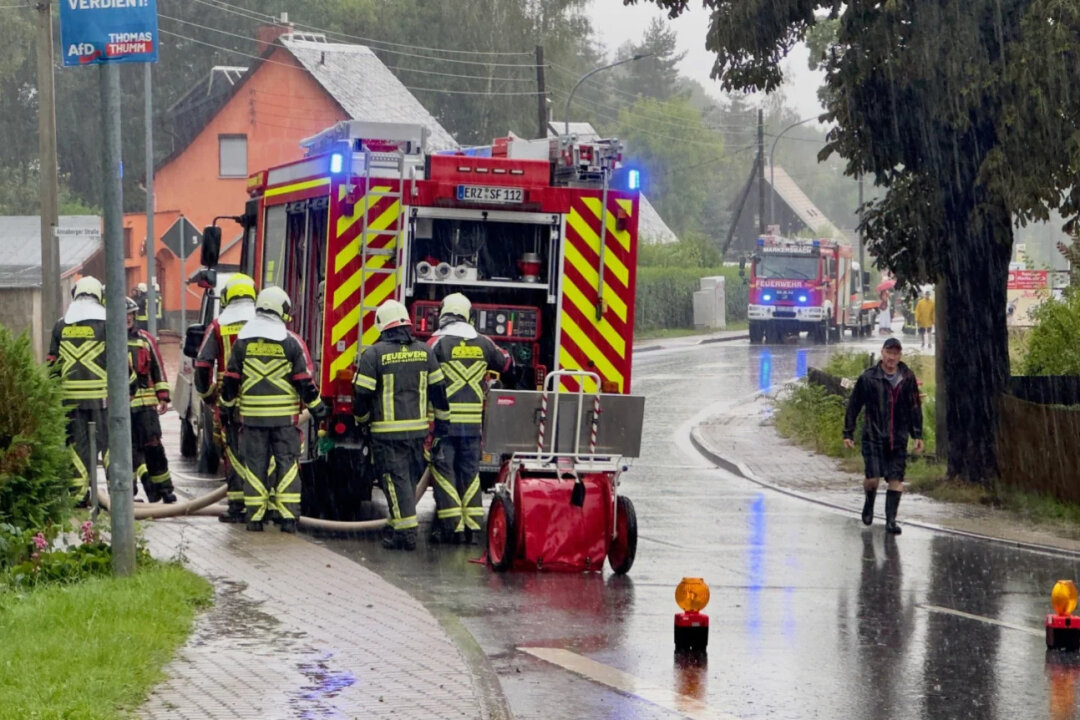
{"x": 204, "y": 505}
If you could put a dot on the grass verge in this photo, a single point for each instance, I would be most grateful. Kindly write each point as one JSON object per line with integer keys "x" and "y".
{"x": 664, "y": 333}
{"x": 94, "y": 649}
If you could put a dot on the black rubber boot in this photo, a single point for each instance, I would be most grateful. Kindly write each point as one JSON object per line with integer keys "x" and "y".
{"x": 255, "y": 526}
{"x": 168, "y": 497}
{"x": 231, "y": 517}
{"x": 868, "y": 507}
{"x": 152, "y": 494}
{"x": 892, "y": 502}
{"x": 288, "y": 526}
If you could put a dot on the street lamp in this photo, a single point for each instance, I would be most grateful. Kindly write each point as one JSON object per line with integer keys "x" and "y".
{"x": 772, "y": 172}
{"x": 586, "y": 76}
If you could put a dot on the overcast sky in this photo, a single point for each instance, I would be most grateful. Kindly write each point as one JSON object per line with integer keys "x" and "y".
{"x": 616, "y": 24}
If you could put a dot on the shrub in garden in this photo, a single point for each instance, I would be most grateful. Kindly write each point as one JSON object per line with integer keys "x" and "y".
{"x": 664, "y": 296}
{"x": 34, "y": 463}
{"x": 1052, "y": 343}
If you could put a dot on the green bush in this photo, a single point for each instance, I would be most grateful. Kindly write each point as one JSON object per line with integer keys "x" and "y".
{"x": 812, "y": 417}
{"x": 665, "y": 296}
{"x": 34, "y": 463}
{"x": 847, "y": 364}
{"x": 1052, "y": 343}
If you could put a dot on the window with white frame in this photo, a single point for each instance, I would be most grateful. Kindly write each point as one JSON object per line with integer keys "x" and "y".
{"x": 232, "y": 156}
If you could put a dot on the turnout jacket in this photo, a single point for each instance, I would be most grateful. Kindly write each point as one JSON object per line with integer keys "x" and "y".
{"x": 892, "y": 413}
{"x": 77, "y": 356}
{"x": 213, "y": 356}
{"x": 465, "y": 362}
{"x": 151, "y": 385}
{"x": 267, "y": 379}
{"x": 396, "y": 379}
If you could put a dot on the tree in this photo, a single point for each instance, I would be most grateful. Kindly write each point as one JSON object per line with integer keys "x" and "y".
{"x": 679, "y": 156}
{"x": 657, "y": 76}
{"x": 961, "y": 112}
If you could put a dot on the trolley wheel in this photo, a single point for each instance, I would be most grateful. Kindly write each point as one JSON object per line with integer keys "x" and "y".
{"x": 501, "y": 532}
{"x": 623, "y": 547}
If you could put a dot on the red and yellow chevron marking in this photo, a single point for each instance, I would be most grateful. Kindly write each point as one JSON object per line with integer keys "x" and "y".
{"x": 348, "y": 327}
{"x": 601, "y": 345}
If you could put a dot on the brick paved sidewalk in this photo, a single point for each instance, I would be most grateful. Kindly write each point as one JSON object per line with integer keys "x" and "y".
{"x": 298, "y": 631}
{"x": 743, "y": 440}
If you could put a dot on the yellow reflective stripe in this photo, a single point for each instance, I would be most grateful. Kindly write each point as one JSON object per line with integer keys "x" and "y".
{"x": 423, "y": 390}
{"x": 437, "y": 377}
{"x": 161, "y": 386}
{"x": 399, "y": 425}
{"x": 364, "y": 381}
{"x": 269, "y": 412}
{"x": 440, "y": 415}
{"x": 444, "y": 483}
{"x": 388, "y": 398}
{"x": 449, "y": 513}
{"x": 295, "y": 187}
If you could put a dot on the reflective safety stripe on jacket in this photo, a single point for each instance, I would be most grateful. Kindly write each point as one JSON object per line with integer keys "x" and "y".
{"x": 396, "y": 378}
{"x": 214, "y": 355}
{"x": 465, "y": 363}
{"x": 268, "y": 379}
{"x": 151, "y": 384}
{"x": 77, "y": 356}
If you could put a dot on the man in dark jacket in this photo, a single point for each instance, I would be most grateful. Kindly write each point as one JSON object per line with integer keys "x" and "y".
{"x": 395, "y": 380}
{"x": 890, "y": 394}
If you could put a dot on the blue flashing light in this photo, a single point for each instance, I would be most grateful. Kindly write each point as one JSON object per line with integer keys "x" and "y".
{"x": 766, "y": 297}
{"x": 633, "y": 179}
{"x": 802, "y": 298}
{"x": 817, "y": 243}
{"x": 761, "y": 241}
{"x": 337, "y": 163}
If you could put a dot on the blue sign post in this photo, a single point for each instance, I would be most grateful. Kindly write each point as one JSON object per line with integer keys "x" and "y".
{"x": 97, "y": 32}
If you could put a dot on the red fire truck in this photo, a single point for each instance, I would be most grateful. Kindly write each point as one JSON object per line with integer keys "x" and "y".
{"x": 541, "y": 235}
{"x": 800, "y": 284}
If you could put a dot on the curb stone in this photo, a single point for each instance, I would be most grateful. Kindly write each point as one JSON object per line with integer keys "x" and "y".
{"x": 736, "y": 467}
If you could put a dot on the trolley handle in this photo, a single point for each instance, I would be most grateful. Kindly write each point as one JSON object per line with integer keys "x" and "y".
{"x": 549, "y": 386}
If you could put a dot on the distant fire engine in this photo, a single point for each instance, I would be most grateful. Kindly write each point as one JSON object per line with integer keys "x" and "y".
{"x": 800, "y": 284}
{"x": 540, "y": 234}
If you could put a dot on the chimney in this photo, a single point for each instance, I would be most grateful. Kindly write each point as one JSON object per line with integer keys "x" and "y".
{"x": 267, "y": 34}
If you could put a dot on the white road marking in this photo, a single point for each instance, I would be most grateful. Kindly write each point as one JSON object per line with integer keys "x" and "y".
{"x": 958, "y": 613}
{"x": 628, "y": 684}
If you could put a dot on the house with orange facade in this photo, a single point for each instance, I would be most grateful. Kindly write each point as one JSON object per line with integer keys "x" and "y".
{"x": 240, "y": 120}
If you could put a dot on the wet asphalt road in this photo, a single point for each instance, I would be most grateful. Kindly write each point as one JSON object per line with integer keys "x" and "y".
{"x": 812, "y": 616}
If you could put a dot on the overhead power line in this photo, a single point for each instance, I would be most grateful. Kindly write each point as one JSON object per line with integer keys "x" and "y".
{"x": 262, "y": 17}
{"x": 294, "y": 67}
{"x": 248, "y": 38}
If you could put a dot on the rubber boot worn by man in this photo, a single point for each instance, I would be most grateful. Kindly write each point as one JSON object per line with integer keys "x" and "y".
{"x": 892, "y": 503}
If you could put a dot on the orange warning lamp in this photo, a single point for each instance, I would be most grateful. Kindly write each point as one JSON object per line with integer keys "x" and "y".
{"x": 691, "y": 625}
{"x": 1063, "y": 597}
{"x": 1062, "y": 627}
{"x": 692, "y": 594}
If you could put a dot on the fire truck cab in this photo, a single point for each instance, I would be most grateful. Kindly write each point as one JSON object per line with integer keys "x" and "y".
{"x": 801, "y": 284}
{"x": 540, "y": 235}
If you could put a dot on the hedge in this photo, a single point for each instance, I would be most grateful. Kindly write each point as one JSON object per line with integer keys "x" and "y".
{"x": 665, "y": 296}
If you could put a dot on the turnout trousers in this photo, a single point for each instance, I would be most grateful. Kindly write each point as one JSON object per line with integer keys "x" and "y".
{"x": 234, "y": 481}
{"x": 455, "y": 467}
{"x": 148, "y": 455}
{"x": 269, "y": 466}
{"x": 399, "y": 464}
{"x": 78, "y": 436}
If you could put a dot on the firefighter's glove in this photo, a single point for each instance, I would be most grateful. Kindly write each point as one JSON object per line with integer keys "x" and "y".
{"x": 441, "y": 428}
{"x": 319, "y": 412}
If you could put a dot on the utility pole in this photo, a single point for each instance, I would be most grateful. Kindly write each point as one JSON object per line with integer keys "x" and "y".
{"x": 941, "y": 397}
{"x": 50, "y": 245}
{"x": 862, "y": 243}
{"x": 151, "y": 293}
{"x": 761, "y": 170}
{"x": 541, "y": 95}
{"x": 121, "y": 503}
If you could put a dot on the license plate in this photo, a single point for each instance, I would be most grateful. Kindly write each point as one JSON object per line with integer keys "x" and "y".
{"x": 490, "y": 194}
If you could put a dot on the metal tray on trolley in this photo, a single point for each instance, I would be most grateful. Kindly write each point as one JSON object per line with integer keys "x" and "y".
{"x": 512, "y": 422}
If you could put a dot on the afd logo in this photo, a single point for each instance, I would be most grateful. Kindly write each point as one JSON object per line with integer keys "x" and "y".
{"x": 85, "y": 52}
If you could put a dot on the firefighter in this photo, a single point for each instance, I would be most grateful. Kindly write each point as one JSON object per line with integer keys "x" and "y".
{"x": 237, "y": 307}
{"x": 466, "y": 358}
{"x": 139, "y": 295}
{"x": 395, "y": 379}
{"x": 269, "y": 374}
{"x": 77, "y": 357}
{"x": 150, "y": 400}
